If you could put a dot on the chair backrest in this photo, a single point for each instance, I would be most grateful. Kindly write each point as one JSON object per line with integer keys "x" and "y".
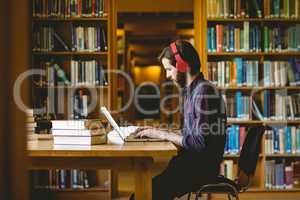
{"x": 249, "y": 155}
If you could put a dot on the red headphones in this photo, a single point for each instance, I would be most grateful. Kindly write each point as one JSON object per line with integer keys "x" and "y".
{"x": 181, "y": 65}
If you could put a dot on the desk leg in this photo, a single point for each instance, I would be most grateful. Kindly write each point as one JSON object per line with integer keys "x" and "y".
{"x": 143, "y": 179}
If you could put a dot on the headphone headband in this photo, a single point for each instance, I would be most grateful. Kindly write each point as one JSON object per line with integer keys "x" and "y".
{"x": 181, "y": 65}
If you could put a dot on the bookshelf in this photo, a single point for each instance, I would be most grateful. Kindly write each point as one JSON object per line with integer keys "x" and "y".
{"x": 204, "y": 20}
{"x": 64, "y": 33}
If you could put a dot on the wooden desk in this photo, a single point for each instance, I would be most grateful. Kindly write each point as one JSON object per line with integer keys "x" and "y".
{"x": 130, "y": 156}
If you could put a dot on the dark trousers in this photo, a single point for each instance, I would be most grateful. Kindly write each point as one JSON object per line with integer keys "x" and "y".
{"x": 185, "y": 173}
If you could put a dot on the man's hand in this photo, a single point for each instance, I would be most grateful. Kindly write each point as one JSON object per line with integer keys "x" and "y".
{"x": 152, "y": 133}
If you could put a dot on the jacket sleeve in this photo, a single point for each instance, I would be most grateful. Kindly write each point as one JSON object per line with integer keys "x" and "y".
{"x": 194, "y": 138}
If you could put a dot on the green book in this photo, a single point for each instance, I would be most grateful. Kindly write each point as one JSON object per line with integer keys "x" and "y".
{"x": 61, "y": 74}
{"x": 266, "y": 39}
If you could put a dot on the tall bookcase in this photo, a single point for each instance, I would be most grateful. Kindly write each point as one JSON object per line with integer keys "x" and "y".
{"x": 57, "y": 40}
{"x": 203, "y": 21}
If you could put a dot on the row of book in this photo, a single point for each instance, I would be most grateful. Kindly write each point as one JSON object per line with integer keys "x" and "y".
{"x": 78, "y": 132}
{"x": 61, "y": 179}
{"x": 238, "y": 72}
{"x": 238, "y": 106}
{"x": 87, "y": 73}
{"x": 234, "y": 9}
{"x": 281, "y": 175}
{"x": 253, "y": 9}
{"x": 282, "y": 140}
{"x": 278, "y": 106}
{"x": 281, "y": 73}
{"x": 84, "y": 39}
{"x": 277, "y": 39}
{"x": 235, "y": 139}
{"x": 89, "y": 38}
{"x": 69, "y": 8}
{"x": 83, "y": 73}
{"x": 254, "y": 38}
{"x": 281, "y": 8}
{"x": 233, "y": 38}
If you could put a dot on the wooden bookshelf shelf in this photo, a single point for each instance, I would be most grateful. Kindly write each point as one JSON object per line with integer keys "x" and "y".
{"x": 281, "y": 190}
{"x": 255, "y": 54}
{"x": 237, "y": 156}
{"x": 253, "y": 20}
{"x": 246, "y": 122}
{"x": 92, "y": 189}
{"x": 70, "y": 19}
{"x": 245, "y": 88}
{"x": 69, "y": 53}
{"x": 74, "y": 87}
{"x": 257, "y": 122}
{"x": 283, "y": 155}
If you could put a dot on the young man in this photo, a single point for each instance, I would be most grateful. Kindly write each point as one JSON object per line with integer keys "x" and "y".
{"x": 202, "y": 137}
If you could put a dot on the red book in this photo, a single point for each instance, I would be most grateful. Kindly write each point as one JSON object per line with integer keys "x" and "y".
{"x": 242, "y": 136}
{"x": 219, "y": 29}
{"x": 79, "y": 8}
{"x": 93, "y": 8}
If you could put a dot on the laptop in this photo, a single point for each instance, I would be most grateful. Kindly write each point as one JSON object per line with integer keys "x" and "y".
{"x": 127, "y": 134}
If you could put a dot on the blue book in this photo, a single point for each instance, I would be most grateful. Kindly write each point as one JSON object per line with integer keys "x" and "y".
{"x": 231, "y": 38}
{"x": 239, "y": 70}
{"x": 245, "y": 73}
{"x": 266, "y": 104}
{"x": 276, "y": 140}
{"x": 251, "y": 64}
{"x": 213, "y": 39}
{"x": 238, "y": 98}
{"x": 256, "y": 30}
{"x": 209, "y": 39}
{"x": 227, "y": 140}
{"x": 230, "y": 140}
{"x": 288, "y": 140}
{"x": 237, "y": 139}
{"x": 276, "y": 8}
{"x": 277, "y": 176}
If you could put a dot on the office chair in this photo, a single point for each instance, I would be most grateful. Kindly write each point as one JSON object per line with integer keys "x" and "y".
{"x": 246, "y": 168}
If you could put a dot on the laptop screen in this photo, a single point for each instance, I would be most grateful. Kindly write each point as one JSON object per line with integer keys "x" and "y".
{"x": 112, "y": 121}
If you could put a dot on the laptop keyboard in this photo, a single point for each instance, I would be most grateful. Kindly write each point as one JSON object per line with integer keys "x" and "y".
{"x": 129, "y": 131}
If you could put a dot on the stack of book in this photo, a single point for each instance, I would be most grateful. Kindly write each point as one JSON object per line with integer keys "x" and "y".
{"x": 87, "y": 72}
{"x": 277, "y": 40}
{"x": 281, "y": 106}
{"x": 283, "y": 140}
{"x": 281, "y": 73}
{"x": 234, "y": 9}
{"x": 70, "y": 8}
{"x": 78, "y": 132}
{"x": 62, "y": 178}
{"x": 238, "y": 72}
{"x": 233, "y": 38}
{"x": 30, "y": 125}
{"x": 238, "y": 106}
{"x": 280, "y": 175}
{"x": 89, "y": 38}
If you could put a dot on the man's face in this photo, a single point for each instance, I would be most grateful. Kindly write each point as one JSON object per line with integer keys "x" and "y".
{"x": 171, "y": 71}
